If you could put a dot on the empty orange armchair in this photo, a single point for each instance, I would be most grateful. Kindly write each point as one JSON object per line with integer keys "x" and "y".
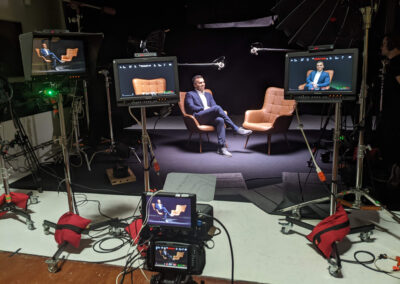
{"x": 70, "y": 53}
{"x": 143, "y": 86}
{"x": 191, "y": 122}
{"x": 330, "y": 72}
{"x": 274, "y": 117}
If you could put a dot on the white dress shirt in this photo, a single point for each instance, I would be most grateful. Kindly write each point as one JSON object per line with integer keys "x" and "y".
{"x": 316, "y": 78}
{"x": 203, "y": 99}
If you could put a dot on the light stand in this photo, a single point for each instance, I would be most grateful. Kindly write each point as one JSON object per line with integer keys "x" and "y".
{"x": 111, "y": 149}
{"x": 9, "y": 205}
{"x": 76, "y": 105}
{"x": 145, "y": 142}
{"x": 114, "y": 223}
{"x": 64, "y": 147}
{"x": 358, "y": 191}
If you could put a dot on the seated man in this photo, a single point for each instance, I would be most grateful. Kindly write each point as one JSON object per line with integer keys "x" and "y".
{"x": 44, "y": 51}
{"x": 161, "y": 210}
{"x": 202, "y": 106}
{"x": 318, "y": 79}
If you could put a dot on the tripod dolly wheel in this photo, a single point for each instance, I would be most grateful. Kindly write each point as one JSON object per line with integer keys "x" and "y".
{"x": 334, "y": 269}
{"x": 30, "y": 225}
{"x": 366, "y": 236}
{"x": 46, "y": 229}
{"x": 286, "y": 227}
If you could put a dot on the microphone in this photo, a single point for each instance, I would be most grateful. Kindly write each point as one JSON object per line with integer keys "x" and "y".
{"x": 220, "y": 62}
{"x": 254, "y": 50}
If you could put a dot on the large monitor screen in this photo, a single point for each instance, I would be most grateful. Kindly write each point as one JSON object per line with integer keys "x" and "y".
{"x": 151, "y": 79}
{"x": 321, "y": 76}
{"x": 170, "y": 210}
{"x": 55, "y": 55}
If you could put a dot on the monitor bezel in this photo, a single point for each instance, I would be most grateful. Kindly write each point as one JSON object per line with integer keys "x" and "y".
{"x": 193, "y": 214}
{"x": 318, "y": 95}
{"x": 127, "y": 101}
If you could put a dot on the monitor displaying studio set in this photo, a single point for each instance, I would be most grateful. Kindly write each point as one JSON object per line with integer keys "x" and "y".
{"x": 146, "y": 81}
{"x": 169, "y": 210}
{"x": 56, "y": 55}
{"x": 321, "y": 76}
{"x": 51, "y": 55}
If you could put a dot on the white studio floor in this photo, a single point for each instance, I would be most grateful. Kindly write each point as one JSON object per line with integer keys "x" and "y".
{"x": 261, "y": 252}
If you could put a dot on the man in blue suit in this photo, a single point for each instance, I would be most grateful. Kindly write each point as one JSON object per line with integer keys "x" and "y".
{"x": 318, "y": 79}
{"x": 45, "y": 51}
{"x": 202, "y": 106}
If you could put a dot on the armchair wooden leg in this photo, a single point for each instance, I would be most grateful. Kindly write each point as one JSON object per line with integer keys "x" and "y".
{"x": 269, "y": 144}
{"x": 247, "y": 140}
{"x": 208, "y": 138}
{"x": 200, "y": 142}
{"x": 190, "y": 137}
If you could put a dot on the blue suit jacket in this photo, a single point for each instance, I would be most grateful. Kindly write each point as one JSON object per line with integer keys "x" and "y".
{"x": 323, "y": 81}
{"x": 193, "y": 103}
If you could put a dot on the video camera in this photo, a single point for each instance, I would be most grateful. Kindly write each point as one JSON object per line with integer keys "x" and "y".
{"x": 177, "y": 228}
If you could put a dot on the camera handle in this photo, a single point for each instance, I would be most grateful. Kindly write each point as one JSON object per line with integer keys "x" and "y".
{"x": 172, "y": 278}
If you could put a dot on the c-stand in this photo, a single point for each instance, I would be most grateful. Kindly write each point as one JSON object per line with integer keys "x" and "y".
{"x": 9, "y": 204}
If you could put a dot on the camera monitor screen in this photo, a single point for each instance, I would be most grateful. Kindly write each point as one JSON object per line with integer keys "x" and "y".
{"x": 321, "y": 76}
{"x": 151, "y": 79}
{"x": 55, "y": 55}
{"x": 171, "y": 256}
{"x": 175, "y": 210}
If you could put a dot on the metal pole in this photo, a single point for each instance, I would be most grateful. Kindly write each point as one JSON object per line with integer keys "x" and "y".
{"x": 85, "y": 93}
{"x": 336, "y": 136}
{"x": 105, "y": 73}
{"x": 366, "y": 11}
{"x": 145, "y": 150}
{"x": 4, "y": 175}
{"x": 63, "y": 142}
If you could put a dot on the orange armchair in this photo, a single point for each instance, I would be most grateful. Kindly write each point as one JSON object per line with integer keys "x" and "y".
{"x": 191, "y": 122}
{"x": 274, "y": 117}
{"x": 330, "y": 72}
{"x": 70, "y": 53}
{"x": 142, "y": 86}
{"x": 41, "y": 56}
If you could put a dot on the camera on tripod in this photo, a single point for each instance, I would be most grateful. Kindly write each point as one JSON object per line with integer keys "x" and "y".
{"x": 177, "y": 228}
